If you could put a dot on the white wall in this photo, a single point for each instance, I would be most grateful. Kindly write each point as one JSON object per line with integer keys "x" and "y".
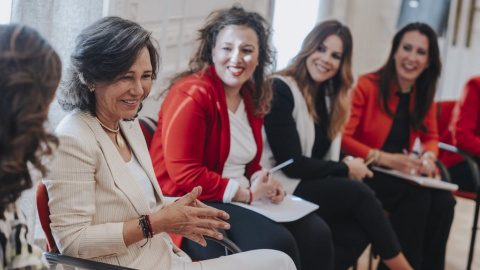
{"x": 373, "y": 24}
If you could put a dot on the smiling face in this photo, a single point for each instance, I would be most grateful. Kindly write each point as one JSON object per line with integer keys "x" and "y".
{"x": 121, "y": 99}
{"x": 325, "y": 62}
{"x": 411, "y": 58}
{"x": 235, "y": 55}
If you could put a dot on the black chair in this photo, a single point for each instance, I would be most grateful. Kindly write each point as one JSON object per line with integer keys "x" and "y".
{"x": 444, "y": 114}
{"x": 472, "y": 165}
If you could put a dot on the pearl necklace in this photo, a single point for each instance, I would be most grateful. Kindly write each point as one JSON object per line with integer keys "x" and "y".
{"x": 118, "y": 136}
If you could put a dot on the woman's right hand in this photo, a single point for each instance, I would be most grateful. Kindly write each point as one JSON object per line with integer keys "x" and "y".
{"x": 263, "y": 185}
{"x": 357, "y": 169}
{"x": 401, "y": 162}
{"x": 190, "y": 218}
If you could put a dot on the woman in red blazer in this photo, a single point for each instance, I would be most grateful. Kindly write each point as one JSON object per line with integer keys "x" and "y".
{"x": 209, "y": 134}
{"x": 390, "y": 109}
{"x": 466, "y": 134}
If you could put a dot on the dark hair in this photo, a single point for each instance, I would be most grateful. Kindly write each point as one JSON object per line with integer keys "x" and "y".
{"x": 236, "y": 15}
{"x": 426, "y": 83}
{"x": 339, "y": 84}
{"x": 30, "y": 71}
{"x": 104, "y": 51}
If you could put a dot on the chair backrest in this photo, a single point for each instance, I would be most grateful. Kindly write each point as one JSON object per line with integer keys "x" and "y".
{"x": 44, "y": 216}
{"x": 148, "y": 126}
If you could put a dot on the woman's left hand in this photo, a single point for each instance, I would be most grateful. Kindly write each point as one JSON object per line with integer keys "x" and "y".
{"x": 279, "y": 193}
{"x": 429, "y": 168}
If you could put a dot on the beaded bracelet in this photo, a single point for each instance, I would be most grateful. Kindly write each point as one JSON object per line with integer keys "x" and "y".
{"x": 145, "y": 225}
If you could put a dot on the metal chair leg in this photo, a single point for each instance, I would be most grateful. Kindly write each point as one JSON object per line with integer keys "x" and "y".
{"x": 474, "y": 233}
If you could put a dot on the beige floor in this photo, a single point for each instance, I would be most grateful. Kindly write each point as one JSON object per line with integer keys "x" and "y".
{"x": 458, "y": 243}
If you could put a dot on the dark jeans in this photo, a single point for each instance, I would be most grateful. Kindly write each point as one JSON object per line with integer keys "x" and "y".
{"x": 421, "y": 218}
{"x": 307, "y": 241}
{"x": 354, "y": 215}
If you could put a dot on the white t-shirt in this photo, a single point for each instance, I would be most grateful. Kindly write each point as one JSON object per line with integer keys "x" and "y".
{"x": 242, "y": 150}
{"x": 143, "y": 180}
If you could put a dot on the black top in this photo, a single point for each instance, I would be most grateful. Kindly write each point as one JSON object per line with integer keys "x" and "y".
{"x": 399, "y": 137}
{"x": 284, "y": 140}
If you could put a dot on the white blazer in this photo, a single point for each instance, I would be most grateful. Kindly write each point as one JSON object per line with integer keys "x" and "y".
{"x": 306, "y": 133}
{"x": 92, "y": 193}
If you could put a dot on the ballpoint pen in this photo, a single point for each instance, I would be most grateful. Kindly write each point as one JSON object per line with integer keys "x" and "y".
{"x": 280, "y": 166}
{"x": 368, "y": 162}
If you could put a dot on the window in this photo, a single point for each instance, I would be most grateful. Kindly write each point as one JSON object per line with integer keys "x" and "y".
{"x": 291, "y": 23}
{"x": 432, "y": 12}
{"x": 5, "y": 11}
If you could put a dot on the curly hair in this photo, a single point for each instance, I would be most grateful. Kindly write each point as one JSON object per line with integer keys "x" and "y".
{"x": 339, "y": 85}
{"x": 202, "y": 59}
{"x": 104, "y": 52}
{"x": 426, "y": 83}
{"x": 30, "y": 72}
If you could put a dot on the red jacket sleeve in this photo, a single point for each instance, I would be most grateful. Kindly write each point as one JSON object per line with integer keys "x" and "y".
{"x": 429, "y": 140}
{"x": 184, "y": 135}
{"x": 350, "y": 145}
{"x": 466, "y": 118}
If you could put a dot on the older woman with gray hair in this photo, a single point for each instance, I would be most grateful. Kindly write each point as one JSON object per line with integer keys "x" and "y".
{"x": 105, "y": 202}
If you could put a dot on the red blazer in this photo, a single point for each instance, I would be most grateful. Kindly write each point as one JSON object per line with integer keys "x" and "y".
{"x": 465, "y": 123}
{"x": 369, "y": 126}
{"x": 192, "y": 141}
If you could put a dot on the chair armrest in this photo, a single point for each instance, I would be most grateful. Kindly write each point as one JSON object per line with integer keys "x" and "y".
{"x": 54, "y": 258}
{"x": 468, "y": 158}
{"x": 227, "y": 243}
{"x": 444, "y": 171}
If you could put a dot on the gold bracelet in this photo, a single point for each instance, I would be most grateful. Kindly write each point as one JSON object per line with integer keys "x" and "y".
{"x": 430, "y": 155}
{"x": 373, "y": 156}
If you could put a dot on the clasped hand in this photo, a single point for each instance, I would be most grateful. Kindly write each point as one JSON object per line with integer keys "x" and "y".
{"x": 191, "y": 218}
{"x": 265, "y": 186}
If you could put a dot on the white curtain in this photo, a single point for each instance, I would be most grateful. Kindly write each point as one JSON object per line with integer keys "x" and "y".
{"x": 59, "y": 21}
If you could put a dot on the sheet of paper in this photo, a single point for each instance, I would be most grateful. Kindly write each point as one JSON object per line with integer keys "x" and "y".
{"x": 423, "y": 181}
{"x": 290, "y": 209}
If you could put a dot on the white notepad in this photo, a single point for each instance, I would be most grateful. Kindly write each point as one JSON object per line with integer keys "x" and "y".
{"x": 290, "y": 209}
{"x": 420, "y": 180}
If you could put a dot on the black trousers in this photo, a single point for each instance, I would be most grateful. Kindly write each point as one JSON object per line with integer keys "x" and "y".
{"x": 421, "y": 218}
{"x": 354, "y": 215}
{"x": 462, "y": 176}
{"x": 307, "y": 241}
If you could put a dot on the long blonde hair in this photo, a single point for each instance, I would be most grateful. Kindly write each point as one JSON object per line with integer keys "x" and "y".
{"x": 339, "y": 85}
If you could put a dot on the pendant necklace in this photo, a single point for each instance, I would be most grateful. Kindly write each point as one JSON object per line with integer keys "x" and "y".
{"x": 118, "y": 136}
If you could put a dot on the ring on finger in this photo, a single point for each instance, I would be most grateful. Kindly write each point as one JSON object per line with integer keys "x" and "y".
{"x": 426, "y": 164}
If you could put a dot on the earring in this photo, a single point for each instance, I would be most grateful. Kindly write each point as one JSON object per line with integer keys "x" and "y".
{"x": 91, "y": 87}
